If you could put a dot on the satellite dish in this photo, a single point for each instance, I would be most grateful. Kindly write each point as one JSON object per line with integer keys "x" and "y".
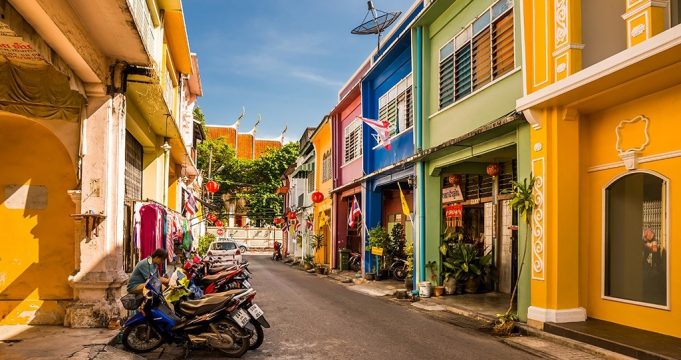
{"x": 380, "y": 20}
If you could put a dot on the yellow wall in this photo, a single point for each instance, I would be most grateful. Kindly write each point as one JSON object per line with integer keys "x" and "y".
{"x": 322, "y": 144}
{"x": 38, "y": 247}
{"x": 599, "y": 137}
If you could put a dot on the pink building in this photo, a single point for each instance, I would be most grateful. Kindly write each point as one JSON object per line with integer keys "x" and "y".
{"x": 347, "y": 155}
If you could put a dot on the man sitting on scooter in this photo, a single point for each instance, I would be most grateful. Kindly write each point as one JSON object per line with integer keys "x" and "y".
{"x": 145, "y": 269}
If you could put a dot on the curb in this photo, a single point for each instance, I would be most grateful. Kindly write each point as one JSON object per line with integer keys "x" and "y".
{"x": 526, "y": 330}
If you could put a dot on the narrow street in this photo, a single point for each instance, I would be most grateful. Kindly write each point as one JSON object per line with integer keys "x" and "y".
{"x": 314, "y": 318}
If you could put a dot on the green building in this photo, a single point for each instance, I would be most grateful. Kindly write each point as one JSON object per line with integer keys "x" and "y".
{"x": 467, "y": 77}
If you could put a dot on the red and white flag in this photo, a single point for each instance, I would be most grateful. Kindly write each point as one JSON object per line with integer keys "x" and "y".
{"x": 382, "y": 129}
{"x": 354, "y": 213}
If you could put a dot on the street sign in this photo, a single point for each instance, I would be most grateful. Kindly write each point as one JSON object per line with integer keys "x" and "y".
{"x": 220, "y": 231}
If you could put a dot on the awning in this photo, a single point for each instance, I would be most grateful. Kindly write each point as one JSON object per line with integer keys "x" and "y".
{"x": 303, "y": 170}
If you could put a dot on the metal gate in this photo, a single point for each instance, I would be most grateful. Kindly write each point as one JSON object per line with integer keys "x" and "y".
{"x": 133, "y": 191}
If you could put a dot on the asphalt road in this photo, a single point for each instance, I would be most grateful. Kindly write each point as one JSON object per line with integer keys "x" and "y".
{"x": 316, "y": 318}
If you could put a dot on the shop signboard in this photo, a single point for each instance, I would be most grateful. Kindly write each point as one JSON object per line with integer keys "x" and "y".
{"x": 454, "y": 211}
{"x": 376, "y": 251}
{"x": 452, "y": 194}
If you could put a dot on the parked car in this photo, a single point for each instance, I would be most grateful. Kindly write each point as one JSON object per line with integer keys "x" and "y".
{"x": 240, "y": 244}
{"x": 224, "y": 252}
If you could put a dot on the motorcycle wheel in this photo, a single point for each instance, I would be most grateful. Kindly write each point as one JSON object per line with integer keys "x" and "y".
{"x": 257, "y": 334}
{"x": 141, "y": 338}
{"x": 399, "y": 273}
{"x": 239, "y": 336}
{"x": 355, "y": 266}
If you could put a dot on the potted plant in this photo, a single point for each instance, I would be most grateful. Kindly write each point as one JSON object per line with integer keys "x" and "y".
{"x": 371, "y": 275}
{"x": 379, "y": 238}
{"x": 409, "y": 279}
{"x": 465, "y": 264}
{"x": 308, "y": 262}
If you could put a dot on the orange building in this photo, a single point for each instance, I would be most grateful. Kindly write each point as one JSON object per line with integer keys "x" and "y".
{"x": 246, "y": 145}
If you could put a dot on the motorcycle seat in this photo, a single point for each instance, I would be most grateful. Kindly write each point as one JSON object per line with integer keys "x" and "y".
{"x": 203, "y": 305}
{"x": 229, "y": 293}
{"x": 214, "y": 277}
{"x": 219, "y": 269}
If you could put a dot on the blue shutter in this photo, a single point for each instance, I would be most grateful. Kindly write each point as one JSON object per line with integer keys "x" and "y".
{"x": 463, "y": 71}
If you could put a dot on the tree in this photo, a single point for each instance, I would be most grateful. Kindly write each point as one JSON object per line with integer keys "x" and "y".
{"x": 263, "y": 177}
{"x": 255, "y": 181}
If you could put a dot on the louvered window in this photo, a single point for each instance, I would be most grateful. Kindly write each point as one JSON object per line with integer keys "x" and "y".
{"x": 326, "y": 166}
{"x": 353, "y": 141}
{"x": 502, "y": 45}
{"x": 396, "y": 106}
{"x": 480, "y": 54}
{"x": 447, "y": 75}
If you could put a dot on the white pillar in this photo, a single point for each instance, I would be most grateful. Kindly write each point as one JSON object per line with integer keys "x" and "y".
{"x": 100, "y": 273}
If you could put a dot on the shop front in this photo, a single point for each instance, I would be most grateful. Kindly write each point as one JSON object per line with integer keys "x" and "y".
{"x": 475, "y": 210}
{"x": 384, "y": 209}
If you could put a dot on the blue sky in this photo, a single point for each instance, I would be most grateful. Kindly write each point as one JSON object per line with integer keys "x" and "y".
{"x": 284, "y": 59}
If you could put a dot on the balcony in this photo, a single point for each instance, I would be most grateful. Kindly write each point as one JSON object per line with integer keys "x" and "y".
{"x": 145, "y": 27}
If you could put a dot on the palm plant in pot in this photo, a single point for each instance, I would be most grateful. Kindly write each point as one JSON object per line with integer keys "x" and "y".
{"x": 317, "y": 241}
{"x": 467, "y": 265}
{"x": 379, "y": 238}
{"x": 308, "y": 262}
{"x": 409, "y": 279}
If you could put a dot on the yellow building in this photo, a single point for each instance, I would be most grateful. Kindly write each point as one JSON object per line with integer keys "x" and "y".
{"x": 321, "y": 141}
{"x": 602, "y": 93}
{"x": 83, "y": 129}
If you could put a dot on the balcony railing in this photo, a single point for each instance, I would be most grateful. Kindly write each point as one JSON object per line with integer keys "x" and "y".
{"x": 142, "y": 18}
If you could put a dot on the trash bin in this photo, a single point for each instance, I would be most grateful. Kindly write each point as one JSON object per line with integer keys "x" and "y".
{"x": 343, "y": 258}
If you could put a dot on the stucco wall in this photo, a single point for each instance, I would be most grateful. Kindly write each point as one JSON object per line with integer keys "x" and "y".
{"x": 38, "y": 247}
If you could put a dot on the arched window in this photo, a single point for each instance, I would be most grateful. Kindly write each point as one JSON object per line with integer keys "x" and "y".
{"x": 636, "y": 240}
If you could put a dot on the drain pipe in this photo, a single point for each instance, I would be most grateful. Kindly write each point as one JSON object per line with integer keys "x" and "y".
{"x": 420, "y": 177}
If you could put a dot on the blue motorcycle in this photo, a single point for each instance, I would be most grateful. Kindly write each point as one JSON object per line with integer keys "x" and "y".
{"x": 217, "y": 322}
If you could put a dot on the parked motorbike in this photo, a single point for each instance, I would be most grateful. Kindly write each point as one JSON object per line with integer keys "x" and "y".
{"x": 398, "y": 269}
{"x": 232, "y": 277}
{"x": 355, "y": 262}
{"x": 216, "y": 322}
{"x": 276, "y": 255}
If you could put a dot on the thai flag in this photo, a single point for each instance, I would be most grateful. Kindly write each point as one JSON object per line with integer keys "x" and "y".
{"x": 354, "y": 213}
{"x": 296, "y": 227}
{"x": 286, "y": 226}
{"x": 190, "y": 206}
{"x": 382, "y": 129}
{"x": 309, "y": 224}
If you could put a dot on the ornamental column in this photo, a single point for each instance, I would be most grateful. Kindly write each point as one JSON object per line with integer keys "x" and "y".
{"x": 567, "y": 39}
{"x": 100, "y": 276}
{"x": 645, "y": 19}
{"x": 555, "y": 220}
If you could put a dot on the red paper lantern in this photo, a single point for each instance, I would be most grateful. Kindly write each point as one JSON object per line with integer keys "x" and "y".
{"x": 291, "y": 215}
{"x": 277, "y": 220}
{"x": 493, "y": 169}
{"x": 212, "y": 186}
{"x": 211, "y": 217}
{"x": 317, "y": 197}
{"x": 218, "y": 223}
{"x": 454, "y": 179}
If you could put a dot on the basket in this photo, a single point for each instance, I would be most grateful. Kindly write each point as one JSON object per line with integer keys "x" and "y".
{"x": 132, "y": 301}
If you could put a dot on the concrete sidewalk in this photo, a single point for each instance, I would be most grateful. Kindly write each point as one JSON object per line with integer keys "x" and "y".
{"x": 481, "y": 309}
{"x": 22, "y": 342}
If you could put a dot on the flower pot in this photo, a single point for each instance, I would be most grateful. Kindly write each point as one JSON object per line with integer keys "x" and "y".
{"x": 438, "y": 291}
{"x": 459, "y": 287}
{"x": 450, "y": 286}
{"x": 424, "y": 289}
{"x": 320, "y": 270}
{"x": 409, "y": 283}
{"x": 370, "y": 276}
{"x": 308, "y": 266}
{"x": 472, "y": 285}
